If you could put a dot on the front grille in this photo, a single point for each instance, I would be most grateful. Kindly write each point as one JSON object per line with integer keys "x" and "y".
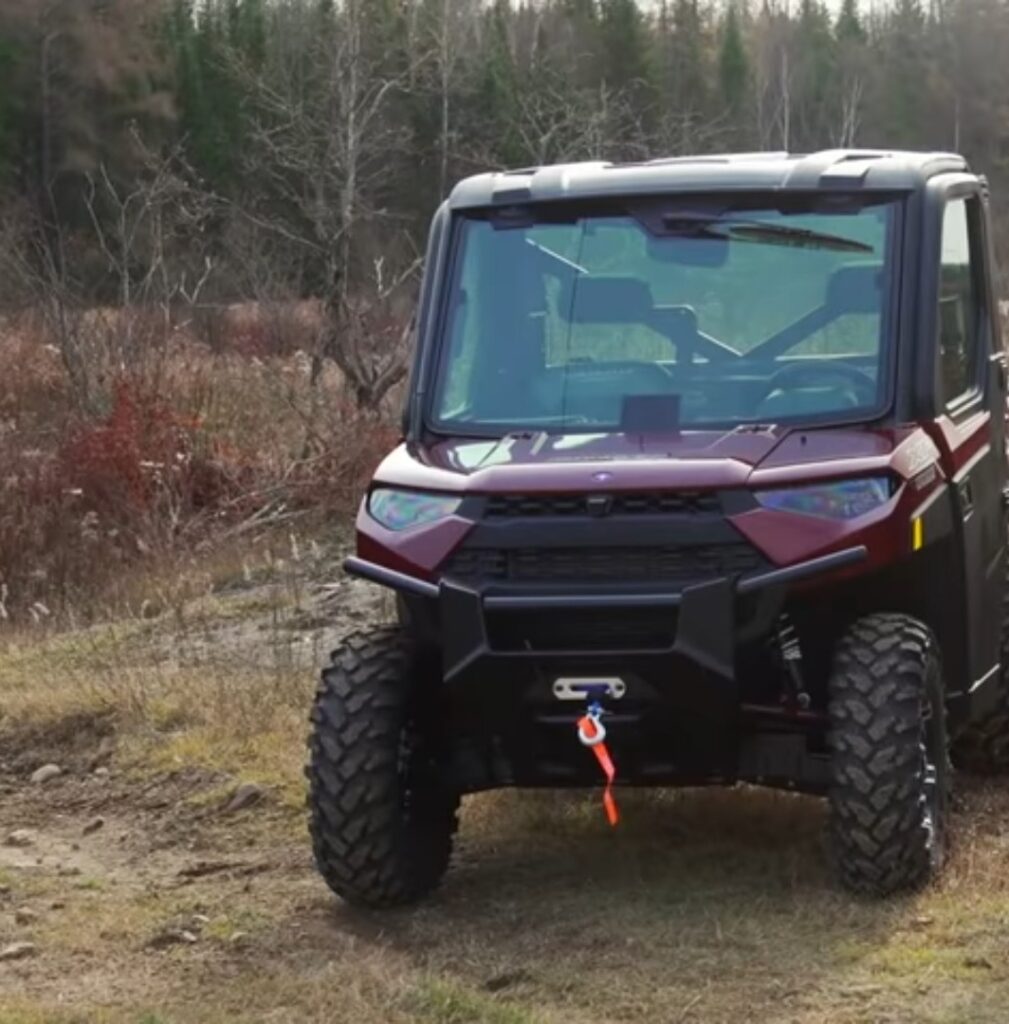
{"x": 693, "y": 503}
{"x": 666, "y": 564}
{"x": 638, "y": 629}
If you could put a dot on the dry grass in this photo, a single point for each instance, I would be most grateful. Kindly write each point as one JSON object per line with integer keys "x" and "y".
{"x": 704, "y": 907}
{"x": 216, "y": 669}
{"x": 169, "y": 456}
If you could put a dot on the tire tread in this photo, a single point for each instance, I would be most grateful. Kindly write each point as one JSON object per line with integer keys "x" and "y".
{"x": 877, "y": 823}
{"x": 368, "y": 850}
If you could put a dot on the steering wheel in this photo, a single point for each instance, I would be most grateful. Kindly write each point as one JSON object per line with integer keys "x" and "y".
{"x": 797, "y": 375}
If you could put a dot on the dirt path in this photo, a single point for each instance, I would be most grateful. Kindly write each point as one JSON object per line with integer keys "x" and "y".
{"x": 707, "y": 906}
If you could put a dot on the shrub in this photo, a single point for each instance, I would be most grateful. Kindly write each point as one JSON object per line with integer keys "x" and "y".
{"x": 210, "y": 442}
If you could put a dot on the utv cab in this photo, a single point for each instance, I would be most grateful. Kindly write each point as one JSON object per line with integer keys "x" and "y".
{"x": 704, "y": 458}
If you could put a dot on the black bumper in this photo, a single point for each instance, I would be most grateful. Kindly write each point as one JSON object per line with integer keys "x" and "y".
{"x": 681, "y": 720}
{"x": 707, "y": 629}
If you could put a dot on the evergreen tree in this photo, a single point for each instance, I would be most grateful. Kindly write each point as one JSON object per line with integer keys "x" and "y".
{"x": 495, "y": 110}
{"x": 11, "y": 107}
{"x": 627, "y": 76}
{"x": 849, "y": 28}
{"x": 733, "y": 65}
{"x": 902, "y": 102}
{"x": 682, "y": 72}
{"x": 625, "y": 46}
{"x": 815, "y": 74}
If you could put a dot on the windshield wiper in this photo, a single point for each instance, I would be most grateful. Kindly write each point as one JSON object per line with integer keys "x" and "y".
{"x": 705, "y": 226}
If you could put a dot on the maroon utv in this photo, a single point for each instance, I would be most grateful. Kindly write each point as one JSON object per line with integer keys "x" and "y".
{"x": 703, "y": 480}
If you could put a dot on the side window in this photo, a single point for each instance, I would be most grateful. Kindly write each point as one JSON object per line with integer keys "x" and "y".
{"x": 960, "y": 301}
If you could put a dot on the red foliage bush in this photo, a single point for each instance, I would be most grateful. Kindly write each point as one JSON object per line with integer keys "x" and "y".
{"x": 140, "y": 456}
{"x": 90, "y": 498}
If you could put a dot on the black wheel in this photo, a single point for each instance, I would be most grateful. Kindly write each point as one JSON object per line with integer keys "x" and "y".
{"x": 890, "y": 785}
{"x": 382, "y": 814}
{"x": 983, "y": 745}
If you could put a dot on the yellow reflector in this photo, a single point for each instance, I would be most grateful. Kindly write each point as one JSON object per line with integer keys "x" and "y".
{"x": 917, "y": 534}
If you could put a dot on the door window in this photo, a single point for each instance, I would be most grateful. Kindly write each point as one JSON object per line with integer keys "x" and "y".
{"x": 960, "y": 301}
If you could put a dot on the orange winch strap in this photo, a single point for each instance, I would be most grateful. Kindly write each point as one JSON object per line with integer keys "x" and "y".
{"x": 589, "y": 727}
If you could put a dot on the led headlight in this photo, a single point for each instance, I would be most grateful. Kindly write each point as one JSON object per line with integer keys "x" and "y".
{"x": 842, "y": 499}
{"x": 401, "y": 510}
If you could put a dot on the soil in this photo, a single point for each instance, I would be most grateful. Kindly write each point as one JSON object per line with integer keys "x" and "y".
{"x": 703, "y": 907}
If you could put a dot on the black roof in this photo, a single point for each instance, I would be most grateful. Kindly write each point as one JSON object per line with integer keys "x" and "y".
{"x": 841, "y": 169}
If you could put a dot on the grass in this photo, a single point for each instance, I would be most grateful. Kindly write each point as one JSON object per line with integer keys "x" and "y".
{"x": 441, "y": 1002}
{"x": 216, "y": 680}
{"x": 704, "y": 907}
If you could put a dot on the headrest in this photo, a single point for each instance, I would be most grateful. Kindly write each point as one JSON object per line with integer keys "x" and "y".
{"x": 855, "y": 288}
{"x": 606, "y": 300}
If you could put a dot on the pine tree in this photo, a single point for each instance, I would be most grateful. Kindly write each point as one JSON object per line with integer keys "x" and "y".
{"x": 903, "y": 103}
{"x": 12, "y": 107}
{"x": 815, "y": 75}
{"x": 208, "y": 107}
{"x": 495, "y": 107}
{"x": 690, "y": 46}
{"x": 733, "y": 65}
{"x": 849, "y": 28}
{"x": 627, "y": 76}
{"x": 625, "y": 45}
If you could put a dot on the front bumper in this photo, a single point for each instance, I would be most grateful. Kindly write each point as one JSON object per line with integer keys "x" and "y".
{"x": 706, "y": 627}
{"x": 681, "y": 720}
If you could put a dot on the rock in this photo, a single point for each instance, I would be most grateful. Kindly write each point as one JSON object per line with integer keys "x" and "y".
{"x": 199, "y": 920}
{"x": 246, "y": 795}
{"x": 101, "y": 772}
{"x": 238, "y": 938}
{"x": 25, "y": 915}
{"x": 17, "y": 951}
{"x": 172, "y": 937}
{"x": 44, "y": 774}
{"x": 105, "y": 750}
{"x": 93, "y": 826}
{"x": 20, "y": 837}
{"x": 502, "y": 981}
{"x": 978, "y": 963}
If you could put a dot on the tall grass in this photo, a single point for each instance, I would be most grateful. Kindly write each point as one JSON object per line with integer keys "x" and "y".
{"x": 179, "y": 451}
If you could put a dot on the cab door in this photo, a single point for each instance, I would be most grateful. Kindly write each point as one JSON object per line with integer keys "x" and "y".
{"x": 970, "y": 428}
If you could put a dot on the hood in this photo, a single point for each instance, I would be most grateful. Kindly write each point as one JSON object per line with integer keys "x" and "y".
{"x": 533, "y": 462}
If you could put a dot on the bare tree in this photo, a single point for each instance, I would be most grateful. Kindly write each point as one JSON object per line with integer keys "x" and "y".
{"x": 447, "y": 50}
{"x": 323, "y": 160}
{"x": 136, "y": 241}
{"x": 773, "y": 76}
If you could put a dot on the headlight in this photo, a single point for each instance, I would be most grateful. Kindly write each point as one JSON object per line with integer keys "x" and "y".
{"x": 401, "y": 510}
{"x": 844, "y": 499}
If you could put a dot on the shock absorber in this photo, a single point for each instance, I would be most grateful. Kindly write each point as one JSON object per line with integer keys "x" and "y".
{"x": 790, "y": 653}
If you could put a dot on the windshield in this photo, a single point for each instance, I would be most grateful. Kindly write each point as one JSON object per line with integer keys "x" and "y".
{"x": 662, "y": 315}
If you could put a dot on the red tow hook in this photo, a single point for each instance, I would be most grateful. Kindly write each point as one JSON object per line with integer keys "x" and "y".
{"x": 592, "y": 734}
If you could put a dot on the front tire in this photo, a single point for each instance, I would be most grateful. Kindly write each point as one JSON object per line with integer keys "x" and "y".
{"x": 382, "y": 813}
{"x": 890, "y": 787}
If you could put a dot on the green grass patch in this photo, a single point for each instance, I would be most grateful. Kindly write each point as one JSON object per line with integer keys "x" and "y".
{"x": 438, "y": 1001}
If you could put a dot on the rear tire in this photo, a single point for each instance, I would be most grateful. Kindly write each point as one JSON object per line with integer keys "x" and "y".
{"x": 382, "y": 814}
{"x": 890, "y": 790}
